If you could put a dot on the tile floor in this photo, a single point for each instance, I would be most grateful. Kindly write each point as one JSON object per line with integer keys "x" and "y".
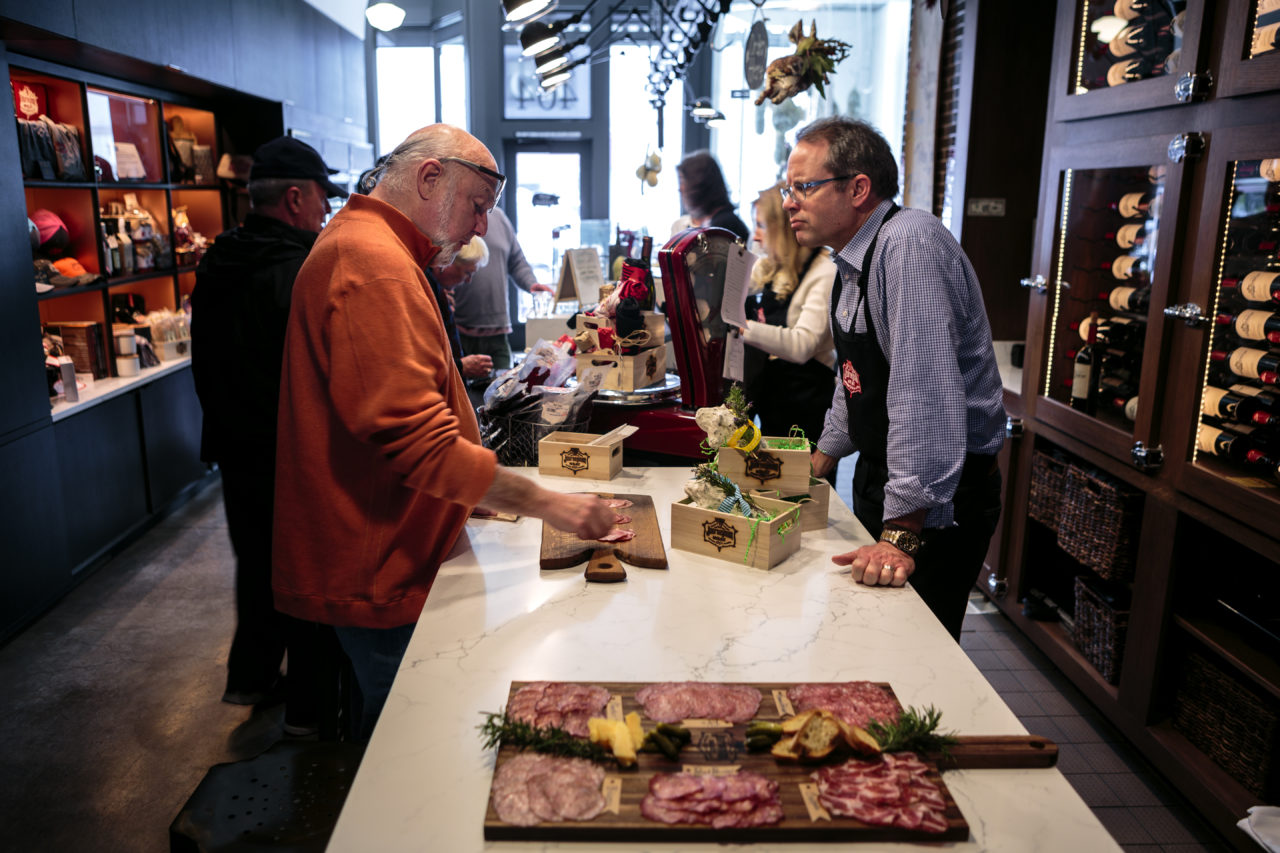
{"x": 110, "y": 714}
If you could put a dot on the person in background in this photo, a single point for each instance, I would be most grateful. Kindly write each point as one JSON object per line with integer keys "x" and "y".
{"x": 379, "y": 460}
{"x": 918, "y": 394}
{"x": 240, "y": 310}
{"x": 705, "y": 196}
{"x": 480, "y": 307}
{"x": 790, "y": 357}
{"x": 444, "y": 280}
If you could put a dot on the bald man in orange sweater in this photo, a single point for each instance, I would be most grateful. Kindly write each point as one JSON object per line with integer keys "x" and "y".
{"x": 379, "y": 460}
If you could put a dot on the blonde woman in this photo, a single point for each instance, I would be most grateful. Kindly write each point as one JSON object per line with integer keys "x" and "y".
{"x": 790, "y": 357}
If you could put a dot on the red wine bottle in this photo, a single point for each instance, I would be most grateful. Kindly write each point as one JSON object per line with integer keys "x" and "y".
{"x": 1253, "y": 325}
{"x": 1138, "y": 205}
{"x": 1257, "y": 286}
{"x": 1250, "y": 363}
{"x": 1241, "y": 408}
{"x": 1119, "y": 331}
{"x": 1235, "y": 446}
{"x": 1085, "y": 376}
{"x": 1126, "y": 298}
{"x": 1122, "y": 405}
{"x": 1141, "y": 36}
{"x": 1268, "y": 168}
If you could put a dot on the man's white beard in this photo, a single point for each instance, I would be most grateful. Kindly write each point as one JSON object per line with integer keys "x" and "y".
{"x": 448, "y": 250}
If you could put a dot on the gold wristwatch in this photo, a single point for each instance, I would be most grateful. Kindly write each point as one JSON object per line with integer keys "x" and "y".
{"x": 904, "y": 540}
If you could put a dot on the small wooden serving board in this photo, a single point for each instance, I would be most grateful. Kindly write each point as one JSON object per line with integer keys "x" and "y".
{"x": 562, "y": 550}
{"x": 722, "y": 745}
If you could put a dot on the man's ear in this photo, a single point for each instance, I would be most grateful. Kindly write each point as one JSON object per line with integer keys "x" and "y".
{"x": 428, "y": 175}
{"x": 860, "y": 190}
{"x": 293, "y": 198}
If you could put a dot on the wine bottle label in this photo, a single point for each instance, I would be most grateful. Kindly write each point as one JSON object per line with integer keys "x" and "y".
{"x": 1246, "y": 361}
{"x": 1252, "y": 325}
{"x": 1266, "y": 39}
{"x": 1245, "y": 390}
{"x": 1119, "y": 299}
{"x": 1124, "y": 9}
{"x": 1130, "y": 205}
{"x": 1125, "y": 42}
{"x": 1218, "y": 402}
{"x": 1122, "y": 267}
{"x": 1131, "y": 409}
{"x": 1257, "y": 286}
{"x": 1127, "y": 236}
{"x": 1155, "y": 174}
{"x": 1267, "y": 6}
{"x": 1080, "y": 381}
{"x": 1119, "y": 73}
{"x": 1270, "y": 168}
{"x": 1207, "y": 439}
{"x": 1084, "y": 327}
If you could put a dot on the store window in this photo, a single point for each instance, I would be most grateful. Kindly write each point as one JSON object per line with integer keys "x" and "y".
{"x": 634, "y": 205}
{"x": 406, "y": 93}
{"x": 453, "y": 84}
{"x": 752, "y": 143}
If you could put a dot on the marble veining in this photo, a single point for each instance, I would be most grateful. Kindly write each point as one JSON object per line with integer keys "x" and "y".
{"x": 493, "y": 618}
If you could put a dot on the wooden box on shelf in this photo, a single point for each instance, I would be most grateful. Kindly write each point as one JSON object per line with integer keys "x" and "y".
{"x": 654, "y": 323}
{"x": 814, "y": 503}
{"x": 572, "y": 454}
{"x": 628, "y": 372}
{"x": 776, "y": 463}
{"x": 735, "y": 538}
{"x": 170, "y": 350}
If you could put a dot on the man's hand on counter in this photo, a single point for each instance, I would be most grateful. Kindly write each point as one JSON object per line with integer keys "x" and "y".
{"x": 880, "y": 564}
{"x": 584, "y": 515}
{"x": 476, "y": 366}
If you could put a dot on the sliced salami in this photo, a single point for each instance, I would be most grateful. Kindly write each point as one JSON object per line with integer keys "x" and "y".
{"x": 618, "y": 518}
{"x": 892, "y": 791}
{"x": 555, "y": 703}
{"x": 618, "y": 535}
{"x": 532, "y": 788}
{"x": 855, "y": 702}
{"x": 744, "y": 799}
{"x": 671, "y": 702}
{"x": 617, "y": 503}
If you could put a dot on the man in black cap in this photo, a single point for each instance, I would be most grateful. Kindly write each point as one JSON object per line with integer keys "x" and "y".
{"x": 240, "y": 309}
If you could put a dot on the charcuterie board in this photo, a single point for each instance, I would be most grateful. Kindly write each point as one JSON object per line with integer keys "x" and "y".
{"x": 719, "y": 747}
{"x": 562, "y": 550}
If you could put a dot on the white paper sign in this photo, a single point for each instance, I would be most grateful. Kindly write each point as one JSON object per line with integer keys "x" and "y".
{"x": 733, "y": 356}
{"x": 737, "y": 276}
{"x": 580, "y": 277}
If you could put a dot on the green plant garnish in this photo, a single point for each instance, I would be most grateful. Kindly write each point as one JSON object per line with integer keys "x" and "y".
{"x": 915, "y": 730}
{"x": 500, "y": 730}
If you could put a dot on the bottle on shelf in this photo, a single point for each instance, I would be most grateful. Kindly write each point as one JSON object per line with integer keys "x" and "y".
{"x": 1259, "y": 408}
{"x": 113, "y": 249}
{"x": 1254, "y": 239}
{"x": 1119, "y": 331}
{"x": 1238, "y": 447}
{"x": 1267, "y": 168}
{"x": 1258, "y": 286}
{"x": 126, "y": 248}
{"x": 1142, "y": 36}
{"x": 1114, "y": 386}
{"x": 646, "y": 258}
{"x": 1123, "y": 405}
{"x": 1139, "y": 205}
{"x": 1253, "y": 325}
{"x": 104, "y": 240}
{"x": 1132, "y": 9}
{"x": 1250, "y": 363}
{"x": 1128, "y": 298}
{"x": 1086, "y": 374}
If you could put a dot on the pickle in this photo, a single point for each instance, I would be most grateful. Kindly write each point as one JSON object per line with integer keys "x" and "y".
{"x": 663, "y": 744}
{"x": 760, "y": 743}
{"x": 764, "y": 728}
{"x": 676, "y": 733}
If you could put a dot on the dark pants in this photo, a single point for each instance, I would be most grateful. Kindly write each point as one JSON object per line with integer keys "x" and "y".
{"x": 497, "y": 347}
{"x": 375, "y": 655}
{"x": 951, "y": 559}
{"x": 262, "y": 633}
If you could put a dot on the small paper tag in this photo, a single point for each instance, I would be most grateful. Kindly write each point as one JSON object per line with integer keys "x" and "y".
{"x": 785, "y": 708}
{"x": 613, "y": 711}
{"x": 711, "y": 769}
{"x": 700, "y": 723}
{"x": 809, "y": 793}
{"x": 612, "y": 791}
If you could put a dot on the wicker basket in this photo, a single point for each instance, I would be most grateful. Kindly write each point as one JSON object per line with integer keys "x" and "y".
{"x": 1099, "y": 522}
{"x": 515, "y": 439}
{"x": 1048, "y": 475}
{"x": 1099, "y": 630}
{"x": 1232, "y": 723}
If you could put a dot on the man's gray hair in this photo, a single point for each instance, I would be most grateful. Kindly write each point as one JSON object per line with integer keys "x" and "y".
{"x": 268, "y": 192}
{"x": 475, "y": 253}
{"x": 397, "y": 171}
{"x": 855, "y": 147}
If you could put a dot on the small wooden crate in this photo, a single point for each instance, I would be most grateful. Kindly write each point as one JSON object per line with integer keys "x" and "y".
{"x": 749, "y": 541}
{"x": 767, "y": 467}
{"x": 628, "y": 372}
{"x": 169, "y": 350}
{"x": 654, "y": 323}
{"x": 569, "y": 454}
{"x": 813, "y": 512}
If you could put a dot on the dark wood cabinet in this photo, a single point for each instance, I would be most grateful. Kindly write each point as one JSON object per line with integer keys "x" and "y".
{"x": 170, "y": 419}
{"x": 1191, "y": 622}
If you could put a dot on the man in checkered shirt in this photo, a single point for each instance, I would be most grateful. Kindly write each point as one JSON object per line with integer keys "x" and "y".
{"x": 917, "y": 394}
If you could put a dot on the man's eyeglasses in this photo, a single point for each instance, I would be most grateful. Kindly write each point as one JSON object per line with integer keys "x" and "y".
{"x": 801, "y": 191}
{"x": 497, "y": 176}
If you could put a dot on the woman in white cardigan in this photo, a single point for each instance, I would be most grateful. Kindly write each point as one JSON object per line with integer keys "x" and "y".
{"x": 790, "y": 357}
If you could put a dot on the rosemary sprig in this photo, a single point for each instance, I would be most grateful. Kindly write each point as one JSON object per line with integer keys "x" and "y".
{"x": 915, "y": 730}
{"x": 500, "y": 730}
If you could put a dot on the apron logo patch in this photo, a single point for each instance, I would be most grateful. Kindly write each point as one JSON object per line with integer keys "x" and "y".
{"x": 852, "y": 381}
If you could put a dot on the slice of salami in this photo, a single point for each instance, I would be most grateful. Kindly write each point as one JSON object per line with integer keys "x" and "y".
{"x": 617, "y": 503}
{"x": 618, "y": 535}
{"x": 621, "y": 519}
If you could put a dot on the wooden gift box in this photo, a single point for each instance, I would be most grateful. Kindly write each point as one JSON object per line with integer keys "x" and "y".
{"x": 169, "y": 350}
{"x": 813, "y": 512}
{"x": 730, "y": 537}
{"x": 654, "y": 323}
{"x": 570, "y": 454}
{"x": 628, "y": 372}
{"x": 767, "y": 467}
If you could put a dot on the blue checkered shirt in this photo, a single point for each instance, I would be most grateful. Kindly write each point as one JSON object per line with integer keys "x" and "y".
{"x": 945, "y": 397}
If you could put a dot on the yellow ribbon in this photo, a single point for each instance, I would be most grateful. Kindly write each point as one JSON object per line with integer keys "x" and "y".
{"x": 737, "y": 439}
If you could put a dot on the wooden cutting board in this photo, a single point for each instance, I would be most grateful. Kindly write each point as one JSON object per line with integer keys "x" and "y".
{"x": 724, "y": 746}
{"x": 561, "y": 550}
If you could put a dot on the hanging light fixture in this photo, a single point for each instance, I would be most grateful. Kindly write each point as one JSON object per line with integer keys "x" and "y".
{"x": 704, "y": 111}
{"x": 539, "y": 36}
{"x": 384, "y": 16}
{"x": 520, "y": 10}
{"x": 551, "y": 60}
{"x": 554, "y": 79}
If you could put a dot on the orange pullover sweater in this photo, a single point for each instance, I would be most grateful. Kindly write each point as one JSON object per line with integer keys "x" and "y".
{"x": 379, "y": 460}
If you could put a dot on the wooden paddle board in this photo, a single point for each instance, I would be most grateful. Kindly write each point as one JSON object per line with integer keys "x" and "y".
{"x": 561, "y": 550}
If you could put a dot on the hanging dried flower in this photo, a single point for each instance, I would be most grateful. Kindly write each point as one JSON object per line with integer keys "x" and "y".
{"x": 810, "y": 65}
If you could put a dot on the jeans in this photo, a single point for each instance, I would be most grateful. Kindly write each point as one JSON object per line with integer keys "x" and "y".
{"x": 375, "y": 655}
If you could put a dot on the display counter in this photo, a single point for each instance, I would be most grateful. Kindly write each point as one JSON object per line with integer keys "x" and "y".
{"x": 493, "y": 618}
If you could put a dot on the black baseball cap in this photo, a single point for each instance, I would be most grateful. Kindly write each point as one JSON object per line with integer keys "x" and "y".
{"x": 287, "y": 157}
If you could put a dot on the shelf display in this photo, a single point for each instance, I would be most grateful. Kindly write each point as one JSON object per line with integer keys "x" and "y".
{"x": 1126, "y": 41}
{"x": 1240, "y": 402}
{"x": 1107, "y": 239}
{"x": 1265, "y": 37}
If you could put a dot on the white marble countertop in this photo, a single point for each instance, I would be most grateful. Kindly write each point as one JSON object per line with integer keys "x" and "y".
{"x": 493, "y": 618}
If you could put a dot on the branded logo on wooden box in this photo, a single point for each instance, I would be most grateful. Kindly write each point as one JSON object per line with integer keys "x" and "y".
{"x": 719, "y": 533}
{"x": 763, "y": 467}
{"x": 574, "y": 460}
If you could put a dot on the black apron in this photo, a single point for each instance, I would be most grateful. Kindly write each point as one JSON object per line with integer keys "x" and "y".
{"x": 782, "y": 392}
{"x": 863, "y": 373}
